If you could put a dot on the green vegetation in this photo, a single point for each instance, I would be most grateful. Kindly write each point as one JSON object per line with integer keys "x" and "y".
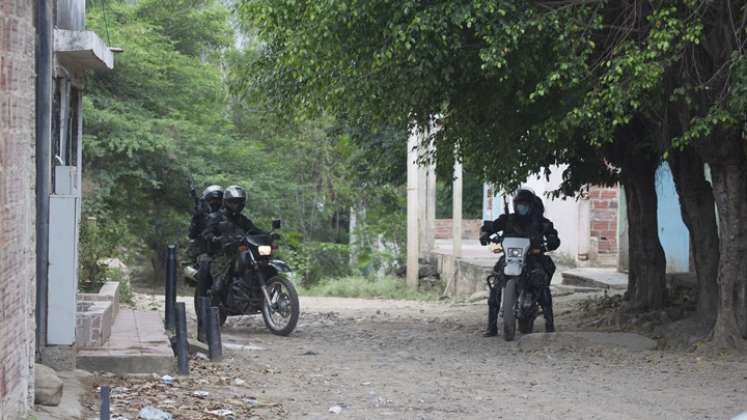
{"x": 173, "y": 109}
{"x": 362, "y": 287}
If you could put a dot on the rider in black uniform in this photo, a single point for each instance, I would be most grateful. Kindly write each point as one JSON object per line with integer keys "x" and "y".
{"x": 526, "y": 221}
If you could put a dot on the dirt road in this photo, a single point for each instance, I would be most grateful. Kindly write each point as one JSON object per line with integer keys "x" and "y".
{"x": 374, "y": 359}
{"x": 387, "y": 359}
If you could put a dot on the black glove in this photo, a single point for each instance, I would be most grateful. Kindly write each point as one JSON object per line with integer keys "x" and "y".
{"x": 484, "y": 238}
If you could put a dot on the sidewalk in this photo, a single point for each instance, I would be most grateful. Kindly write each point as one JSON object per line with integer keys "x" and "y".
{"x": 138, "y": 344}
{"x": 595, "y": 277}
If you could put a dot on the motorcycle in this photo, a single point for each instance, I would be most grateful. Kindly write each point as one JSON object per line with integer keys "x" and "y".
{"x": 519, "y": 296}
{"x": 258, "y": 285}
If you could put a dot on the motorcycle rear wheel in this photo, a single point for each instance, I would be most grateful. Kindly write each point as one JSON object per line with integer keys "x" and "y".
{"x": 509, "y": 321}
{"x": 285, "y": 306}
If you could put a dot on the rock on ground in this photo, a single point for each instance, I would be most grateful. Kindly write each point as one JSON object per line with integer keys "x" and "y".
{"x": 47, "y": 386}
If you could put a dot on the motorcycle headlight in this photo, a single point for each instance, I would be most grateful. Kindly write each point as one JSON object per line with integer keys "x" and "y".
{"x": 264, "y": 250}
{"x": 515, "y": 252}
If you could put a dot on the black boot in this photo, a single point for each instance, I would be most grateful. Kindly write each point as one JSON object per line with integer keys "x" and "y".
{"x": 493, "y": 305}
{"x": 492, "y": 329}
{"x": 547, "y": 310}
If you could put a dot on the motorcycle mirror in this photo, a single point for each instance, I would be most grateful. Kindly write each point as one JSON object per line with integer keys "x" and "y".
{"x": 276, "y": 224}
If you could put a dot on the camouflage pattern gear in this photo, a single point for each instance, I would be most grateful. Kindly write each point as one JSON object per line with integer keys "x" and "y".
{"x": 220, "y": 269}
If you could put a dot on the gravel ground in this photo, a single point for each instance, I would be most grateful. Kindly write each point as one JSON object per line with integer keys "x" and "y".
{"x": 374, "y": 359}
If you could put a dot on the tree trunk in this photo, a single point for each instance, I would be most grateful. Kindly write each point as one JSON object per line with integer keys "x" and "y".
{"x": 646, "y": 276}
{"x": 730, "y": 191}
{"x": 699, "y": 214}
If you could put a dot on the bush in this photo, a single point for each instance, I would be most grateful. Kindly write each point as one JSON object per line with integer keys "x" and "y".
{"x": 98, "y": 240}
{"x": 313, "y": 261}
{"x": 361, "y": 287}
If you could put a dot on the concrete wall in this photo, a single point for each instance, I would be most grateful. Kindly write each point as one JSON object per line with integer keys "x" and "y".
{"x": 673, "y": 234}
{"x": 563, "y": 213}
{"x": 586, "y": 227}
{"x": 71, "y": 14}
{"x": 17, "y": 234}
{"x": 443, "y": 229}
{"x": 604, "y": 204}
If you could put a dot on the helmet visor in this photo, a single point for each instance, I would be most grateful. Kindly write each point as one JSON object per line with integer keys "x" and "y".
{"x": 234, "y": 204}
{"x": 214, "y": 203}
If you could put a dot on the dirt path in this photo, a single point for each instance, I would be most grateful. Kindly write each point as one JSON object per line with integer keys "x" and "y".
{"x": 408, "y": 360}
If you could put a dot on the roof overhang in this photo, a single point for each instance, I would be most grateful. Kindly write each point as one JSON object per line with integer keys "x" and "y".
{"x": 82, "y": 50}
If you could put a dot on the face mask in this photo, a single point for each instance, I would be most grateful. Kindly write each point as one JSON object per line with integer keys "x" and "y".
{"x": 522, "y": 209}
{"x": 214, "y": 204}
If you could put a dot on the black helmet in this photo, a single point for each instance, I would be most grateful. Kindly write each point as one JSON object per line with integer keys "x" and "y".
{"x": 213, "y": 196}
{"x": 524, "y": 201}
{"x": 234, "y": 199}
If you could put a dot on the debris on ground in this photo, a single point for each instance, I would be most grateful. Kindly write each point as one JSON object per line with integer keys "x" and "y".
{"x": 210, "y": 392}
{"x": 153, "y": 413}
{"x": 221, "y": 412}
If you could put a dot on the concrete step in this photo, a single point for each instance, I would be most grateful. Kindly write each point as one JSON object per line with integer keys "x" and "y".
{"x": 565, "y": 290}
{"x": 595, "y": 277}
{"x": 138, "y": 344}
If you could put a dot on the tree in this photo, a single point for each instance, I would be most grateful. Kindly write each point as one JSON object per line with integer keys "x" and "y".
{"x": 519, "y": 86}
{"x": 172, "y": 110}
{"x": 508, "y": 84}
{"x": 145, "y": 119}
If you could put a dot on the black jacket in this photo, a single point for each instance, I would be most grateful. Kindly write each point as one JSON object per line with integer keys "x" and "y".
{"x": 199, "y": 220}
{"x": 536, "y": 228}
{"x": 224, "y": 230}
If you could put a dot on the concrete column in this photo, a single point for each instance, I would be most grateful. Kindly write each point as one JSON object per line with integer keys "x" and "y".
{"x": 353, "y": 238}
{"x": 427, "y": 204}
{"x": 457, "y": 209}
{"x": 584, "y": 230}
{"x": 413, "y": 234}
{"x": 430, "y": 214}
{"x": 423, "y": 228}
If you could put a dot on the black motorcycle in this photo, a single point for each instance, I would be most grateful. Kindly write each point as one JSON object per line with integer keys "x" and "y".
{"x": 520, "y": 296}
{"x": 258, "y": 285}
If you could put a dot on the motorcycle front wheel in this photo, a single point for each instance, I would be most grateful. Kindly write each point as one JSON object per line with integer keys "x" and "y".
{"x": 526, "y": 326}
{"x": 281, "y": 314}
{"x": 509, "y": 321}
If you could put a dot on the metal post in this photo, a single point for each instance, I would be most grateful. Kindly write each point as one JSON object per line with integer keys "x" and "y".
{"x": 43, "y": 146}
{"x": 203, "y": 321}
{"x": 105, "y": 402}
{"x": 215, "y": 347}
{"x": 181, "y": 339}
{"x": 170, "y": 316}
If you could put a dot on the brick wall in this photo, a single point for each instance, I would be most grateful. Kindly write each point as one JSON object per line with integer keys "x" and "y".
{"x": 604, "y": 218}
{"x": 17, "y": 247}
{"x": 470, "y": 228}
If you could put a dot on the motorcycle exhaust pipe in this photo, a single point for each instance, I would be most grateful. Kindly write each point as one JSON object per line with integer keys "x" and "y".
{"x": 190, "y": 274}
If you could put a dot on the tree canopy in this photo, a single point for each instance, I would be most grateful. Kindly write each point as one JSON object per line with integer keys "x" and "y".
{"x": 172, "y": 110}
{"x": 611, "y": 88}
